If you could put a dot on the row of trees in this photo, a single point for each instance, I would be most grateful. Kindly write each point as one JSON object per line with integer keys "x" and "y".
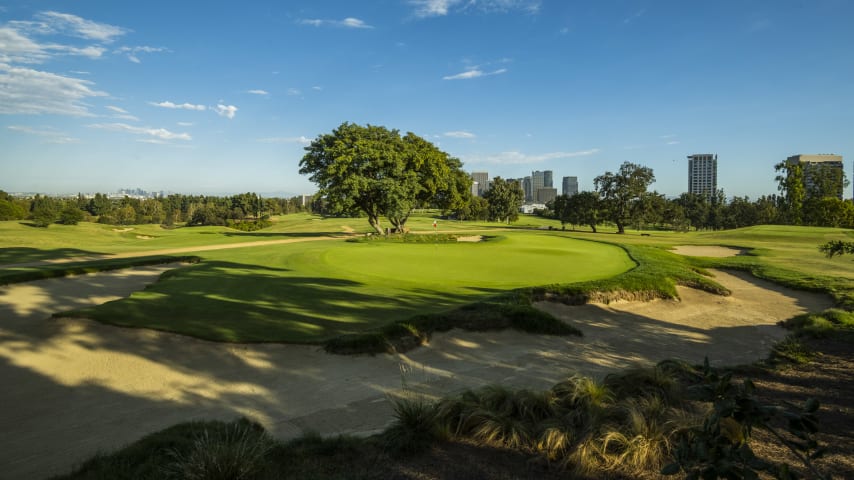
{"x": 188, "y": 209}
{"x": 622, "y": 198}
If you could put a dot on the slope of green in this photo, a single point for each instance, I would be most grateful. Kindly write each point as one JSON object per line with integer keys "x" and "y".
{"x": 310, "y": 292}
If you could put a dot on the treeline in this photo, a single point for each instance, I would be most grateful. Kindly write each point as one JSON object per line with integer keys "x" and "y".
{"x": 245, "y": 211}
{"x": 622, "y": 198}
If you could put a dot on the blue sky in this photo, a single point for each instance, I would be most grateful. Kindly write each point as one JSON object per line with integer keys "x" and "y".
{"x": 221, "y": 97}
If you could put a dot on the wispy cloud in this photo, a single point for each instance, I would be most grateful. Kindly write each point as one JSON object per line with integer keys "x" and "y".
{"x": 519, "y": 158}
{"x": 317, "y": 88}
{"x": 132, "y": 53}
{"x": 349, "y": 22}
{"x": 155, "y": 133}
{"x": 34, "y": 92}
{"x": 438, "y": 8}
{"x": 474, "y": 73}
{"x": 186, "y": 124}
{"x": 459, "y": 134}
{"x": 672, "y": 142}
{"x": 301, "y": 139}
{"x": 258, "y": 92}
{"x": 51, "y": 22}
{"x": 227, "y": 111}
{"x": 294, "y": 92}
{"x": 634, "y": 16}
{"x": 49, "y": 134}
{"x": 181, "y": 106}
{"x": 121, "y": 113}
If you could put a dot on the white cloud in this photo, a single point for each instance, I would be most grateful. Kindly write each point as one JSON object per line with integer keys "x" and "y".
{"x": 156, "y": 133}
{"x": 258, "y": 92}
{"x": 132, "y": 52}
{"x": 459, "y": 134}
{"x": 474, "y": 73}
{"x": 15, "y": 47}
{"x": 49, "y": 134}
{"x": 348, "y": 22}
{"x": 186, "y": 124}
{"x": 301, "y": 139}
{"x": 673, "y": 142}
{"x": 317, "y": 88}
{"x": 182, "y": 106}
{"x": 34, "y": 92}
{"x": 65, "y": 23}
{"x": 438, "y": 8}
{"x": 515, "y": 157}
{"x": 294, "y": 91}
{"x": 121, "y": 113}
{"x": 227, "y": 111}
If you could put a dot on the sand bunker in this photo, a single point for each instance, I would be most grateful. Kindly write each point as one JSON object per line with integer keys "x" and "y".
{"x": 76, "y": 387}
{"x": 707, "y": 251}
{"x": 122, "y": 230}
{"x": 144, "y": 237}
{"x": 471, "y": 238}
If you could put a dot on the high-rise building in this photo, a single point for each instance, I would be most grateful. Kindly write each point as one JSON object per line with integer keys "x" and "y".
{"x": 570, "y": 186}
{"x": 546, "y": 194}
{"x": 827, "y": 166}
{"x": 548, "y": 180}
{"x": 475, "y": 188}
{"x": 703, "y": 174}
{"x": 528, "y": 188}
{"x": 538, "y": 180}
{"x": 482, "y": 179}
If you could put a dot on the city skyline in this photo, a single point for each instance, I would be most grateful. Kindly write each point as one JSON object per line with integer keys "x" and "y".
{"x": 197, "y": 98}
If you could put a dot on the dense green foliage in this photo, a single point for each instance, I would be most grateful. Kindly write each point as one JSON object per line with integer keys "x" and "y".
{"x": 379, "y": 173}
{"x": 619, "y": 191}
{"x": 504, "y": 199}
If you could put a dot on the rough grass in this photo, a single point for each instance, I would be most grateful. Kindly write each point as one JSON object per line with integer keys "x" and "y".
{"x": 28, "y": 274}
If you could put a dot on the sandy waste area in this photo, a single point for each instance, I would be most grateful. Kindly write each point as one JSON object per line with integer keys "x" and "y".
{"x": 72, "y": 388}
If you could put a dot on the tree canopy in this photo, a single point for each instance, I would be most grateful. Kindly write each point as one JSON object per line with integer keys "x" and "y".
{"x": 620, "y": 190}
{"x": 376, "y": 171}
{"x": 504, "y": 199}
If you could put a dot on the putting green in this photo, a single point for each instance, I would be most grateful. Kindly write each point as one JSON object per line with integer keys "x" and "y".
{"x": 309, "y": 292}
{"x": 505, "y": 262}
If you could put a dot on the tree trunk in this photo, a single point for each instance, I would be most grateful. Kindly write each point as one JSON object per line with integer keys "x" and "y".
{"x": 620, "y": 227}
{"x": 375, "y": 222}
{"x": 593, "y": 227}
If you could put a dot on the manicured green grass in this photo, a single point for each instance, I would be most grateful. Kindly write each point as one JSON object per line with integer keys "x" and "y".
{"x": 311, "y": 292}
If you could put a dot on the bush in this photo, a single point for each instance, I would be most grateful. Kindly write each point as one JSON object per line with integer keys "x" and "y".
{"x": 245, "y": 226}
{"x": 237, "y": 452}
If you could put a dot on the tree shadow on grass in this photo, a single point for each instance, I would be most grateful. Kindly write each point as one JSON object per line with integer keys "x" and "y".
{"x": 283, "y": 234}
{"x": 15, "y": 255}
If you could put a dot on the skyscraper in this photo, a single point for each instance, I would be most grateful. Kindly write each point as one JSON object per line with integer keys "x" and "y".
{"x": 548, "y": 181}
{"x": 570, "y": 186}
{"x": 822, "y": 172}
{"x": 528, "y": 188}
{"x": 703, "y": 174}
{"x": 482, "y": 179}
{"x": 538, "y": 180}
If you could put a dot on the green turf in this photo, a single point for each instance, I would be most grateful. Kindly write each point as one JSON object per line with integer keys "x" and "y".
{"x": 310, "y": 292}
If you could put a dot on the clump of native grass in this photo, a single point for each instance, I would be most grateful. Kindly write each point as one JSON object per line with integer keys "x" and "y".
{"x": 625, "y": 425}
{"x": 236, "y": 451}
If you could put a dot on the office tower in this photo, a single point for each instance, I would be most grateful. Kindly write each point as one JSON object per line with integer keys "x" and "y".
{"x": 822, "y": 171}
{"x": 570, "y": 186}
{"x": 475, "y": 189}
{"x": 703, "y": 174}
{"x": 538, "y": 180}
{"x": 482, "y": 179}
{"x": 548, "y": 181}
{"x": 546, "y": 194}
{"x": 528, "y": 188}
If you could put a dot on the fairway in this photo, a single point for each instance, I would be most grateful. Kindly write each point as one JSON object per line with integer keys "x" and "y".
{"x": 310, "y": 292}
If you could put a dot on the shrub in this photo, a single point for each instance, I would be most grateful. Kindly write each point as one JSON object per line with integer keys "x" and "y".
{"x": 238, "y": 452}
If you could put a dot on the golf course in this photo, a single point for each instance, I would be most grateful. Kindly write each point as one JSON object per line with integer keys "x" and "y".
{"x": 227, "y": 324}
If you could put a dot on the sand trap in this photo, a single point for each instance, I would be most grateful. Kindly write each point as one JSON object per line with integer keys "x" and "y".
{"x": 122, "y": 230}
{"x": 707, "y": 251}
{"x": 144, "y": 237}
{"x": 471, "y": 238}
{"x": 75, "y": 387}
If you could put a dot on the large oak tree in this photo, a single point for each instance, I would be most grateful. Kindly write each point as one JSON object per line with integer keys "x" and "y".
{"x": 619, "y": 191}
{"x": 376, "y": 171}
